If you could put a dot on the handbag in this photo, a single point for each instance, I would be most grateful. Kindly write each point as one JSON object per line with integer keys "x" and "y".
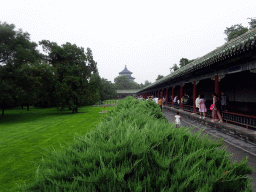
{"x": 211, "y": 108}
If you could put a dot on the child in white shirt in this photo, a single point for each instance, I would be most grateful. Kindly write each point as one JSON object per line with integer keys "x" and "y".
{"x": 197, "y": 101}
{"x": 178, "y": 120}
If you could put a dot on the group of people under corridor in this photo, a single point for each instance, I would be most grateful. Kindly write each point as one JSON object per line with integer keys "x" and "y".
{"x": 218, "y": 104}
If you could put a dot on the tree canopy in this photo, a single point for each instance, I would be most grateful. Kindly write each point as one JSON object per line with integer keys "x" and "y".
{"x": 123, "y": 83}
{"x": 159, "y": 77}
{"x": 235, "y": 31}
{"x": 74, "y": 69}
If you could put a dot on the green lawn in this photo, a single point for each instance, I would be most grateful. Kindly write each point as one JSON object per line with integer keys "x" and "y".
{"x": 25, "y": 134}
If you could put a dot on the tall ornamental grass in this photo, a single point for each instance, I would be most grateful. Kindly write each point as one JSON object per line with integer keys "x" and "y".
{"x": 135, "y": 149}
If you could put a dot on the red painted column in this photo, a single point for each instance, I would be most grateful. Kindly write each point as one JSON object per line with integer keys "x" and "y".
{"x": 194, "y": 97}
{"x": 181, "y": 95}
{"x": 162, "y": 95}
{"x": 172, "y": 96}
{"x": 217, "y": 90}
{"x": 167, "y": 95}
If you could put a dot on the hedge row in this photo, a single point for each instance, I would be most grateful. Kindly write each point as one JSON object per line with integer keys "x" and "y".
{"x": 134, "y": 148}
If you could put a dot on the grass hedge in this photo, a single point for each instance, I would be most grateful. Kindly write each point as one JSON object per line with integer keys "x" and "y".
{"x": 134, "y": 148}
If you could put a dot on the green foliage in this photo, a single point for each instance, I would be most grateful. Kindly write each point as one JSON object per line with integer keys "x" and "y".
{"x": 75, "y": 84}
{"x": 252, "y": 23}
{"x": 134, "y": 148}
{"x": 183, "y": 62}
{"x": 38, "y": 84}
{"x": 147, "y": 83}
{"x": 107, "y": 90}
{"x": 123, "y": 83}
{"x": 16, "y": 47}
{"x": 235, "y": 31}
{"x": 174, "y": 68}
{"x": 159, "y": 77}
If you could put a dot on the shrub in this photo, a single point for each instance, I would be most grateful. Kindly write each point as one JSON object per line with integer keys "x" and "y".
{"x": 134, "y": 148}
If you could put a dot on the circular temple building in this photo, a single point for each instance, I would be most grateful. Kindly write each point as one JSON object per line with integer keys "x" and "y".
{"x": 126, "y": 73}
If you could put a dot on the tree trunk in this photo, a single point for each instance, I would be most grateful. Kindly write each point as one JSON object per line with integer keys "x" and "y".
{"x": 22, "y": 106}
{"x": 27, "y": 107}
{"x": 3, "y": 111}
{"x": 75, "y": 110}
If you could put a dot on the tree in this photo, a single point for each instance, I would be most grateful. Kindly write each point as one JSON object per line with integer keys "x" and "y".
{"x": 159, "y": 77}
{"x": 183, "y": 62}
{"x": 74, "y": 69}
{"x": 174, "y": 68}
{"x": 190, "y": 61}
{"x": 107, "y": 90}
{"x": 235, "y": 31}
{"x": 7, "y": 88}
{"x": 252, "y": 23}
{"x": 123, "y": 83}
{"x": 38, "y": 84}
{"x": 147, "y": 83}
{"x": 16, "y": 47}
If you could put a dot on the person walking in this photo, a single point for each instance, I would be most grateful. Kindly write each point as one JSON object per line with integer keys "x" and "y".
{"x": 202, "y": 107}
{"x": 224, "y": 101}
{"x": 177, "y": 120}
{"x": 197, "y": 101}
{"x": 156, "y": 100}
{"x": 216, "y": 110}
{"x": 164, "y": 101}
{"x": 182, "y": 100}
{"x": 160, "y": 102}
{"x": 175, "y": 99}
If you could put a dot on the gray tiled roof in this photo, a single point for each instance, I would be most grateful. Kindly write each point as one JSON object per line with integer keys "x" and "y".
{"x": 125, "y": 71}
{"x": 128, "y": 91}
{"x": 235, "y": 46}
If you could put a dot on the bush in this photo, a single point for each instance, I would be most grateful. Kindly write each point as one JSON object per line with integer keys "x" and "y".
{"x": 134, "y": 148}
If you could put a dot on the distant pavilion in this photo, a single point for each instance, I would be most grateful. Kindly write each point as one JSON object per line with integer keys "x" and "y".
{"x": 126, "y": 73}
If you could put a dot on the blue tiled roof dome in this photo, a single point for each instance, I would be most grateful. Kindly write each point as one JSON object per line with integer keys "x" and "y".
{"x": 126, "y": 73}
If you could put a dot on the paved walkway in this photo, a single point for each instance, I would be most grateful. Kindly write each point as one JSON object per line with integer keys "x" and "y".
{"x": 234, "y": 144}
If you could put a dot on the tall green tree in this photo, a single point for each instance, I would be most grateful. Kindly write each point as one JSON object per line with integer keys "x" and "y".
{"x": 38, "y": 84}
{"x": 235, "y": 31}
{"x": 147, "y": 83}
{"x": 107, "y": 90}
{"x": 123, "y": 83}
{"x": 252, "y": 23}
{"x": 175, "y": 67}
{"x": 7, "y": 90}
{"x": 183, "y": 62}
{"x": 16, "y": 47}
{"x": 159, "y": 77}
{"x": 74, "y": 69}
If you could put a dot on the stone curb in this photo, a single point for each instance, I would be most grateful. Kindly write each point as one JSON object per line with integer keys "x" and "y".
{"x": 241, "y": 132}
{"x": 104, "y": 105}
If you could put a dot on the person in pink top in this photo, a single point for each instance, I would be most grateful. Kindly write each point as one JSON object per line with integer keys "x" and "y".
{"x": 202, "y": 107}
{"x": 216, "y": 110}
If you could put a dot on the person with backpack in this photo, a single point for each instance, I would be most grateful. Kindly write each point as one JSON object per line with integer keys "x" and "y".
{"x": 216, "y": 108}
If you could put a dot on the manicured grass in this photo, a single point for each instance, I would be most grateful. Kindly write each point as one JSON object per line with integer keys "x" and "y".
{"x": 25, "y": 134}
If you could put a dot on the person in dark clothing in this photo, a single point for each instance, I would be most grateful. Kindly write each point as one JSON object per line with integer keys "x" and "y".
{"x": 224, "y": 101}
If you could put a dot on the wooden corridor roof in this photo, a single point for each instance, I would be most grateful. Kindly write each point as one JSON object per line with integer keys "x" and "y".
{"x": 235, "y": 46}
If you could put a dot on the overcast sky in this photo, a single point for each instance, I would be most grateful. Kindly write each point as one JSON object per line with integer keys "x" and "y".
{"x": 147, "y": 36}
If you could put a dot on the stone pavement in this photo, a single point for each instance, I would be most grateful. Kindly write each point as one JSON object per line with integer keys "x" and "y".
{"x": 239, "y": 131}
{"x": 233, "y": 143}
